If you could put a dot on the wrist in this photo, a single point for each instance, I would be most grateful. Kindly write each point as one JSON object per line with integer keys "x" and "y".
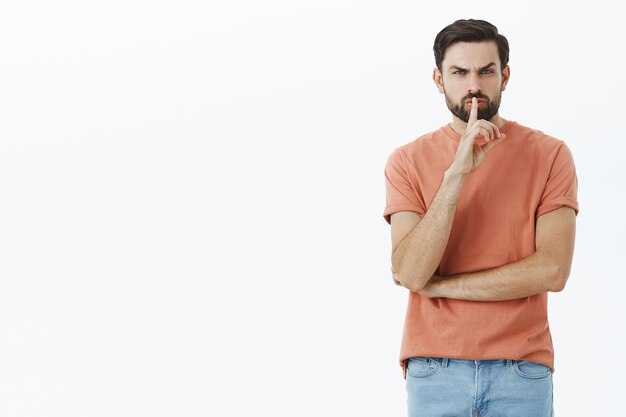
{"x": 453, "y": 175}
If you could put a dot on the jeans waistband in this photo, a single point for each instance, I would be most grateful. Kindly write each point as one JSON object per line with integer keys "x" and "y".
{"x": 444, "y": 361}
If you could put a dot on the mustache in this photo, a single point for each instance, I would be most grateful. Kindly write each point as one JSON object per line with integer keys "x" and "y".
{"x": 477, "y": 95}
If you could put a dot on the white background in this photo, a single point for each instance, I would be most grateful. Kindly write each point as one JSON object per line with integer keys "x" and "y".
{"x": 191, "y": 200}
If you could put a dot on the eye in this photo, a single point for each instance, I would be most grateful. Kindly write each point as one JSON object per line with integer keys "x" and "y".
{"x": 487, "y": 71}
{"x": 458, "y": 72}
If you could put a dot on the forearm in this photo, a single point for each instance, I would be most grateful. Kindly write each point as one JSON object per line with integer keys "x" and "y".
{"x": 532, "y": 275}
{"x": 418, "y": 255}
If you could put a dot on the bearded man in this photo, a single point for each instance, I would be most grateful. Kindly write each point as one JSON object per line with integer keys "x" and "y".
{"x": 482, "y": 214}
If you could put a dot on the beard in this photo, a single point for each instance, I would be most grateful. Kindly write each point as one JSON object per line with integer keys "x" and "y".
{"x": 486, "y": 113}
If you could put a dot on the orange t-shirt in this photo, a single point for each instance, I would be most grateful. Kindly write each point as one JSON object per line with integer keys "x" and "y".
{"x": 528, "y": 174}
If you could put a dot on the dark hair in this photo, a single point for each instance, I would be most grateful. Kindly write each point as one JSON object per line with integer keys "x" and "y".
{"x": 470, "y": 30}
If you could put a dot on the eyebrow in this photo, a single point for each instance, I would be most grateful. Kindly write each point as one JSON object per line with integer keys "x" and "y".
{"x": 456, "y": 67}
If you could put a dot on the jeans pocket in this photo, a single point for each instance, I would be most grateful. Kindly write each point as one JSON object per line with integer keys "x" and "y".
{"x": 422, "y": 366}
{"x": 531, "y": 370}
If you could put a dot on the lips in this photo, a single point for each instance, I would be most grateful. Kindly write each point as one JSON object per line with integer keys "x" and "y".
{"x": 479, "y": 102}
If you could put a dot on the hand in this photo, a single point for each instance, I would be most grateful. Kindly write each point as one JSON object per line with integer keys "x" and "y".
{"x": 469, "y": 155}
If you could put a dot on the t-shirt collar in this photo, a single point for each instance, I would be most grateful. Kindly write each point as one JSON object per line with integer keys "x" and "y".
{"x": 506, "y": 127}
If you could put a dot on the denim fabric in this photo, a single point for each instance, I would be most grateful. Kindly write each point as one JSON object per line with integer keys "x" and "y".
{"x": 438, "y": 387}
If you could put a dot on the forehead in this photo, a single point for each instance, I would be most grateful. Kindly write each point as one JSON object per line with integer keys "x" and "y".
{"x": 471, "y": 55}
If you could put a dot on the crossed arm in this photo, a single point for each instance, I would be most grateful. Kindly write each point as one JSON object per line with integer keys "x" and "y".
{"x": 547, "y": 269}
{"x": 419, "y": 243}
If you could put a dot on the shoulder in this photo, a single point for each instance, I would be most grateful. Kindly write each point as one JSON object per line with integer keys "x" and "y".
{"x": 533, "y": 143}
{"x": 534, "y": 137}
{"x": 538, "y": 148}
{"x": 419, "y": 146}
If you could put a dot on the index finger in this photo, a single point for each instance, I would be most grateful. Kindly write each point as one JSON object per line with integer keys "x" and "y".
{"x": 473, "y": 116}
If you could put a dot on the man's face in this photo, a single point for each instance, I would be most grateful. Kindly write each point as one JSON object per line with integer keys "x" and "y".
{"x": 472, "y": 69}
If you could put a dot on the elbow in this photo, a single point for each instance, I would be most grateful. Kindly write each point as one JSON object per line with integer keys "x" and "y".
{"x": 557, "y": 286}
{"x": 408, "y": 277}
{"x": 417, "y": 287}
{"x": 412, "y": 283}
{"x": 559, "y": 278}
{"x": 414, "y": 286}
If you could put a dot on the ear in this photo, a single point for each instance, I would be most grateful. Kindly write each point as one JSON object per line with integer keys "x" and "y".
{"x": 506, "y": 74}
{"x": 438, "y": 79}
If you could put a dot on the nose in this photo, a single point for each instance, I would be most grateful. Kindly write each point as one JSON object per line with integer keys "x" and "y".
{"x": 474, "y": 83}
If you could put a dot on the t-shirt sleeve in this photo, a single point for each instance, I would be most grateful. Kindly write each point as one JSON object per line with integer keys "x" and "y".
{"x": 562, "y": 185}
{"x": 400, "y": 191}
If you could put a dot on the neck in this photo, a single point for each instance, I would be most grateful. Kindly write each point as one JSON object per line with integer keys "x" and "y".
{"x": 459, "y": 125}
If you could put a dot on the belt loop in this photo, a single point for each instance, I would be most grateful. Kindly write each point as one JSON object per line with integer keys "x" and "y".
{"x": 444, "y": 362}
{"x": 509, "y": 362}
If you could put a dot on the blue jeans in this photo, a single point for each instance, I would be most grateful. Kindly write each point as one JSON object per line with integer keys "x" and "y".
{"x": 438, "y": 387}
